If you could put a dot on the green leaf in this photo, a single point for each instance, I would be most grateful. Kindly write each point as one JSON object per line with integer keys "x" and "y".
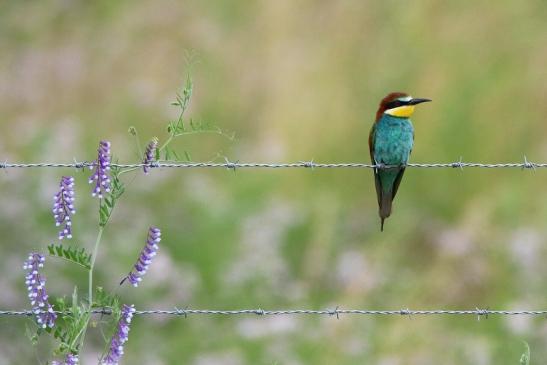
{"x": 117, "y": 190}
{"x": 108, "y": 202}
{"x": 180, "y": 126}
{"x": 187, "y": 155}
{"x": 525, "y": 357}
{"x": 70, "y": 325}
{"x": 59, "y": 304}
{"x": 104, "y": 299}
{"x": 157, "y": 154}
{"x": 167, "y": 154}
{"x": 72, "y": 254}
{"x": 170, "y": 128}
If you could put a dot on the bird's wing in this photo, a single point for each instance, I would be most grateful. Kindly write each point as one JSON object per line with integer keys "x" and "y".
{"x": 397, "y": 182}
{"x": 402, "y": 171}
{"x": 377, "y": 181}
{"x": 371, "y": 141}
{"x": 410, "y": 152}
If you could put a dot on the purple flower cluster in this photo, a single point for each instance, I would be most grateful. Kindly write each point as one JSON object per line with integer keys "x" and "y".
{"x": 115, "y": 351}
{"x": 63, "y": 206}
{"x": 45, "y": 316}
{"x": 70, "y": 359}
{"x": 145, "y": 258}
{"x": 101, "y": 177}
{"x": 150, "y": 154}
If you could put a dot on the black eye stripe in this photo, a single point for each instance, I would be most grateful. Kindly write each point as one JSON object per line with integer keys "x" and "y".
{"x": 395, "y": 104}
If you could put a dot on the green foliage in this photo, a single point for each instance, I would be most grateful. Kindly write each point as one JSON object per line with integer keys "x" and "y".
{"x": 70, "y": 324}
{"x": 181, "y": 127}
{"x": 103, "y": 299}
{"x": 170, "y": 154}
{"x": 78, "y": 256}
{"x": 74, "y": 318}
{"x": 525, "y": 358}
{"x": 109, "y": 202}
{"x": 183, "y": 99}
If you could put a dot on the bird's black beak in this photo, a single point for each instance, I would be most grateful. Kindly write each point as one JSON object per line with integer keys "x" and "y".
{"x": 417, "y": 101}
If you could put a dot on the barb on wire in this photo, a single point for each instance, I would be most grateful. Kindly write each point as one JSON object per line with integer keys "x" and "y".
{"x": 265, "y": 165}
{"x": 528, "y": 165}
{"x": 230, "y": 165}
{"x": 479, "y": 313}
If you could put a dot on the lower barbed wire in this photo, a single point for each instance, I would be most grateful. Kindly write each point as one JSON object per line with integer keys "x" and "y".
{"x": 328, "y": 312}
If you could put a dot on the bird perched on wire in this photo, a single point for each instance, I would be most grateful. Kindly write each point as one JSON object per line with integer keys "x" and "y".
{"x": 390, "y": 141}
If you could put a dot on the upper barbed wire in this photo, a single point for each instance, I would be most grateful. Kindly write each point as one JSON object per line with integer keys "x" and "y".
{"x": 479, "y": 313}
{"x": 300, "y": 164}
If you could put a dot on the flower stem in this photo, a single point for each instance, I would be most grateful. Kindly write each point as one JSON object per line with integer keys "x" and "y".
{"x": 90, "y": 273}
{"x": 171, "y": 136}
{"x": 128, "y": 170}
{"x": 83, "y": 330}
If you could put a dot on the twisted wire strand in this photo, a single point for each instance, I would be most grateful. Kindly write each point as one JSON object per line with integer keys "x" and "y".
{"x": 301, "y": 164}
{"x": 328, "y": 312}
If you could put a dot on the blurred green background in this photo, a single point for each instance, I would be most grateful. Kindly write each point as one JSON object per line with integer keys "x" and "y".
{"x": 295, "y": 80}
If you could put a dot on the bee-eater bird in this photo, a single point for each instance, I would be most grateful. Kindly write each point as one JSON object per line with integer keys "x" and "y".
{"x": 390, "y": 142}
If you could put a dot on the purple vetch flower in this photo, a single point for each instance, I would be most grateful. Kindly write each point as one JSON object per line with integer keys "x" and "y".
{"x": 145, "y": 258}
{"x": 70, "y": 359}
{"x": 63, "y": 206}
{"x": 149, "y": 154}
{"x": 119, "y": 338}
{"x": 36, "y": 286}
{"x": 101, "y": 177}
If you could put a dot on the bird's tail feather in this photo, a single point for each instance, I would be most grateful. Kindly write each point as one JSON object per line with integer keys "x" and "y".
{"x": 385, "y": 207}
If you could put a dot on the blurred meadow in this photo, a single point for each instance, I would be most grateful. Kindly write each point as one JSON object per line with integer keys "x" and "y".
{"x": 294, "y": 80}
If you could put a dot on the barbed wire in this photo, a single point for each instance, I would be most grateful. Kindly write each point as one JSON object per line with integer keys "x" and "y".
{"x": 301, "y": 164}
{"x": 479, "y": 313}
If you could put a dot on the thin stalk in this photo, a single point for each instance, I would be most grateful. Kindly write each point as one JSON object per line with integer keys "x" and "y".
{"x": 206, "y": 131}
{"x": 129, "y": 170}
{"x": 172, "y": 134}
{"x": 90, "y": 272}
{"x": 83, "y": 330}
{"x": 166, "y": 142}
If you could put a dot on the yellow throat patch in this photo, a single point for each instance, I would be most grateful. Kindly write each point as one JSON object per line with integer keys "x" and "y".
{"x": 404, "y": 111}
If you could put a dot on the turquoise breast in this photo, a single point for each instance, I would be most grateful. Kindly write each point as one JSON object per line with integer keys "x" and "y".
{"x": 393, "y": 140}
